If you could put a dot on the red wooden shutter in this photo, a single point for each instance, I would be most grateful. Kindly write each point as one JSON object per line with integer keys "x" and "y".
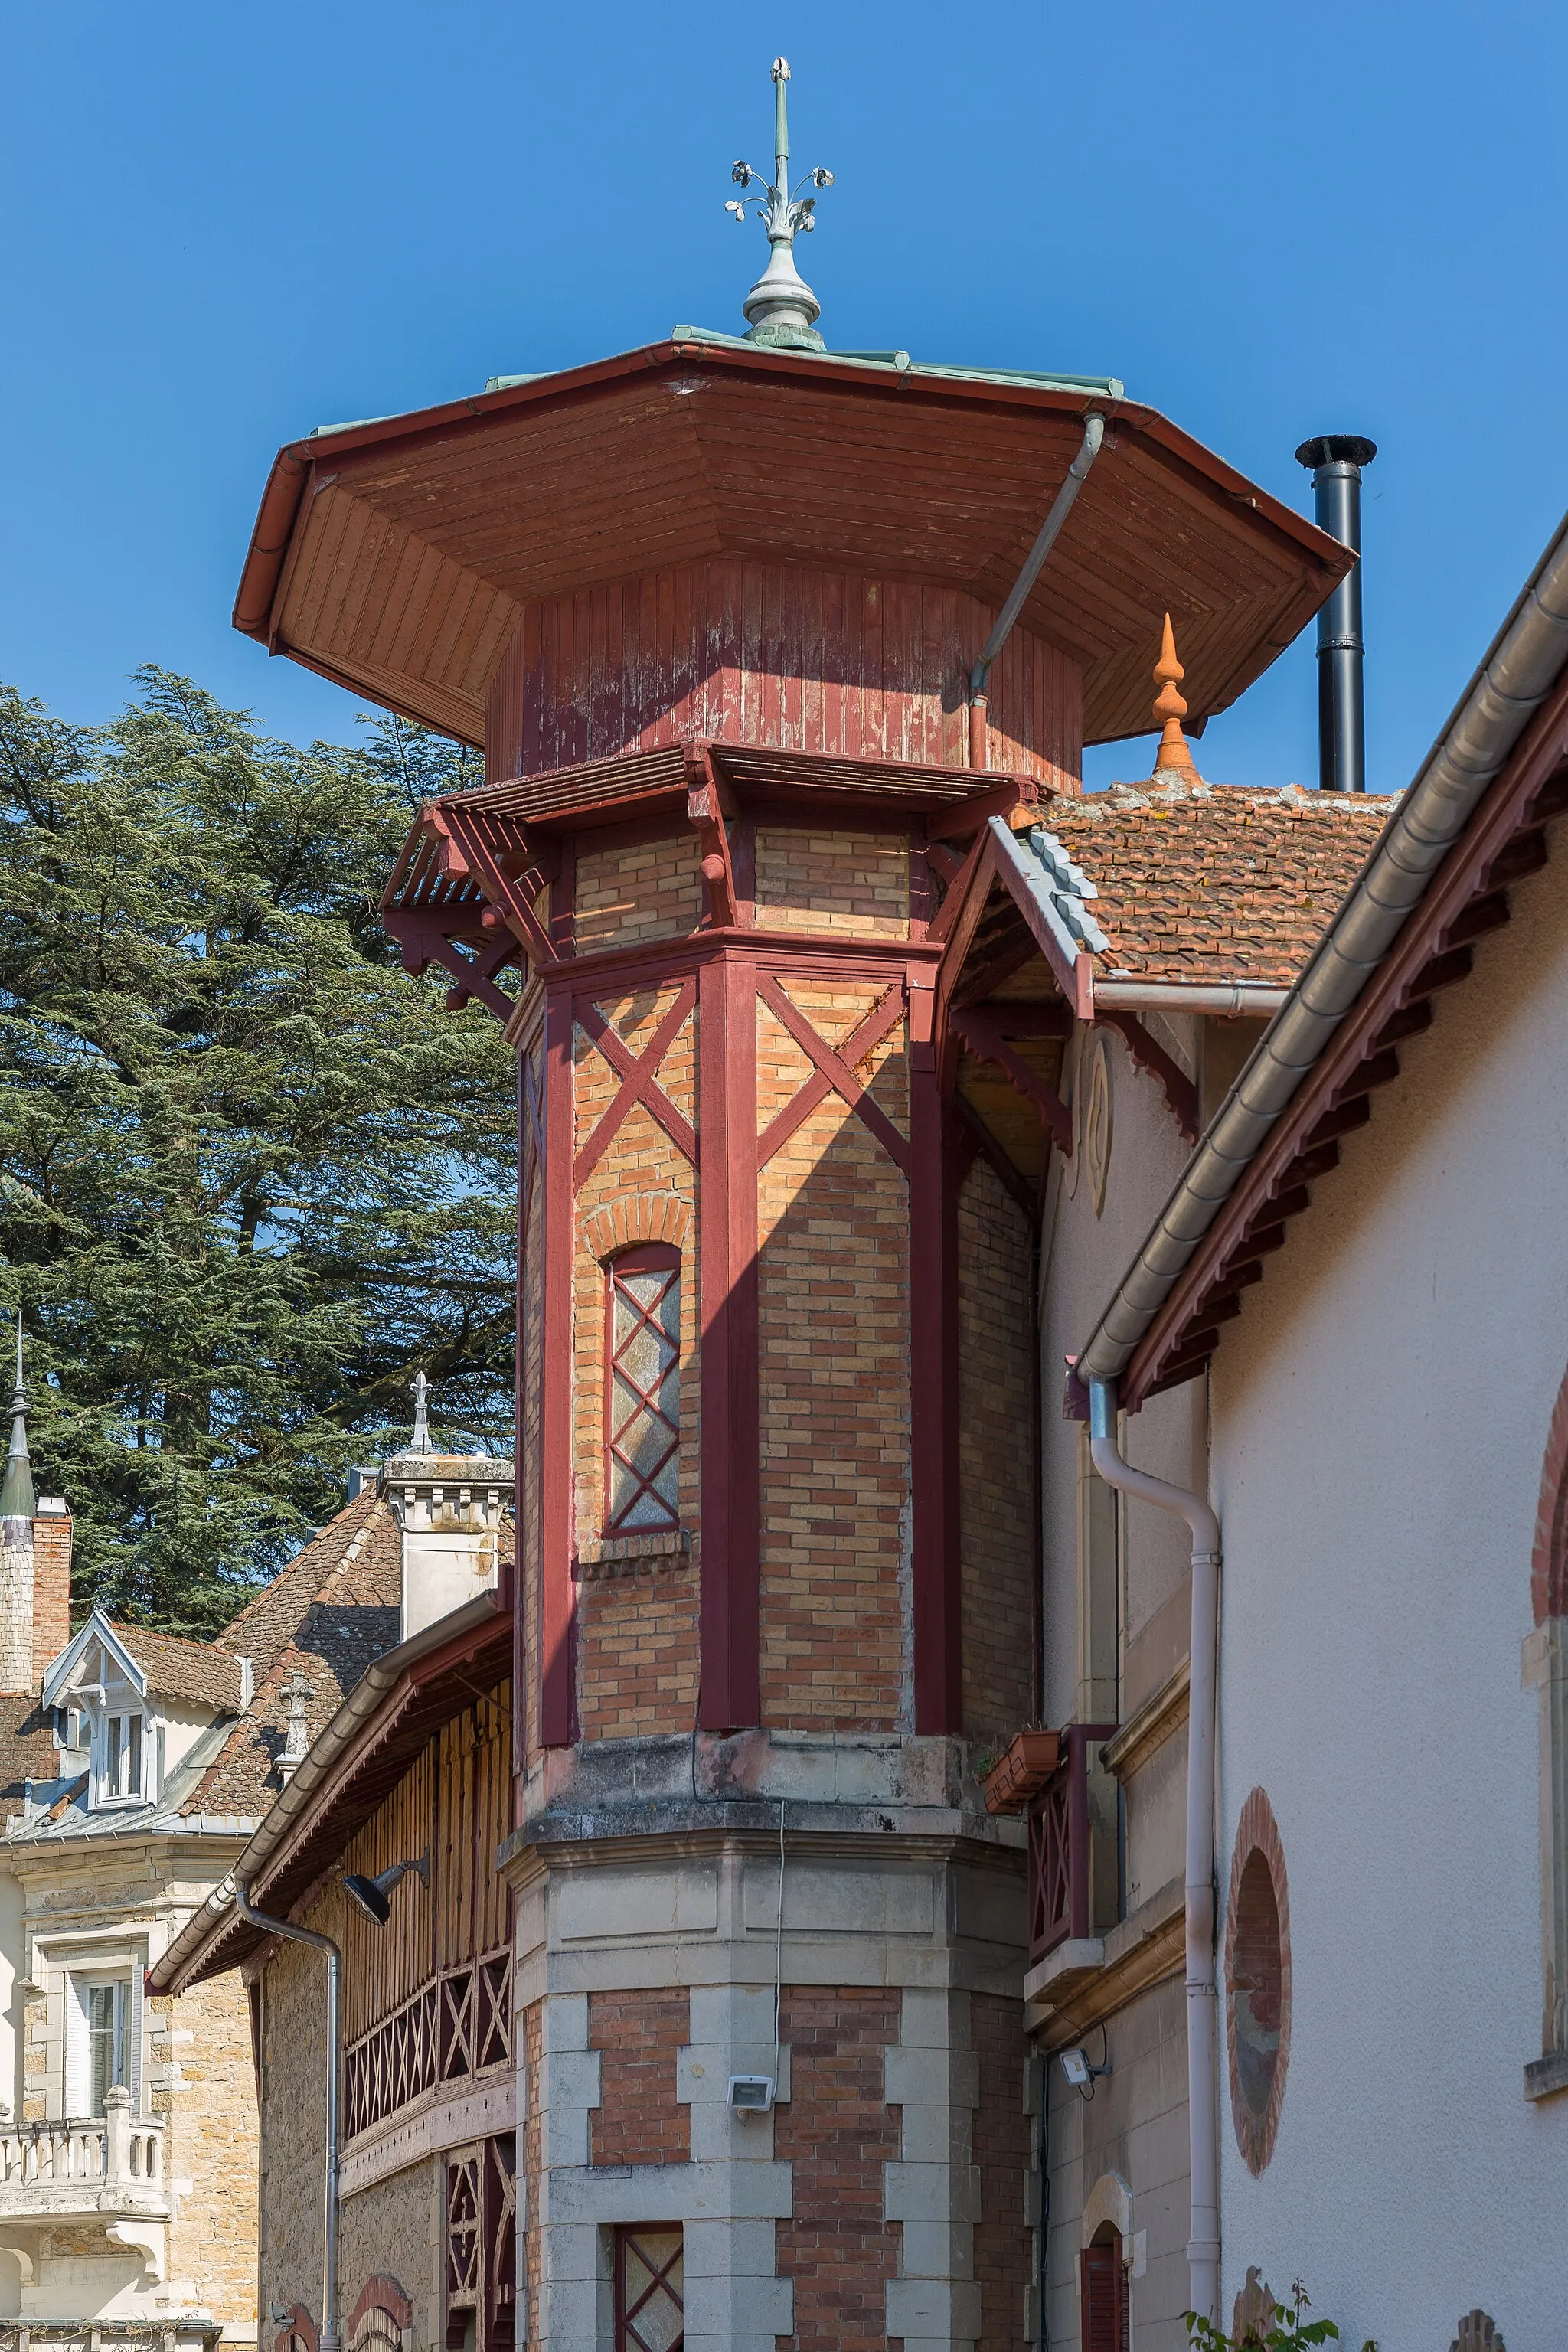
{"x": 1106, "y": 2298}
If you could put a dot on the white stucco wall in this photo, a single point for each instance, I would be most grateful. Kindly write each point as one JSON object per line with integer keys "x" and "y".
{"x": 1380, "y": 1412}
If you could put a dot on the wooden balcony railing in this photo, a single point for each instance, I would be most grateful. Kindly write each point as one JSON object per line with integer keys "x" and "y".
{"x": 457, "y": 2025}
{"x": 1060, "y": 1906}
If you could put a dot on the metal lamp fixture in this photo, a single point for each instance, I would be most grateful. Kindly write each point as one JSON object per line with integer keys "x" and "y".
{"x": 373, "y": 1895}
{"x": 1078, "y": 2069}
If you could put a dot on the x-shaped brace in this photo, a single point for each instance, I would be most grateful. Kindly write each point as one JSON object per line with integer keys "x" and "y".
{"x": 639, "y": 1083}
{"x": 833, "y": 1072}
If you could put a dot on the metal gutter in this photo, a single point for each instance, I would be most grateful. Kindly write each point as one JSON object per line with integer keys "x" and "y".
{"x": 1517, "y": 673}
{"x": 171, "y": 1972}
{"x": 1231, "y": 1000}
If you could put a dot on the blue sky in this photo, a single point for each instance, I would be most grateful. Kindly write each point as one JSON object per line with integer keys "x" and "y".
{"x": 223, "y": 226}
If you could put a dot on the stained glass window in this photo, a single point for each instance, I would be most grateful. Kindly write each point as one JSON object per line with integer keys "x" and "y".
{"x": 642, "y": 1389}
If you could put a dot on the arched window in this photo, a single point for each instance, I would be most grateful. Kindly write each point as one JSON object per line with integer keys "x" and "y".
{"x": 642, "y": 1389}
{"x": 1105, "y": 2321}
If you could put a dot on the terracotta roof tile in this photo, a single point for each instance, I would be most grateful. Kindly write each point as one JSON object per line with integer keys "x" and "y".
{"x": 27, "y": 1750}
{"x": 1215, "y": 882}
{"x": 176, "y": 1668}
{"x": 334, "y": 1609}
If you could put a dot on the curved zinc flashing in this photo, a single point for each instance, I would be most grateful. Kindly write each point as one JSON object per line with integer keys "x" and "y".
{"x": 1520, "y": 666}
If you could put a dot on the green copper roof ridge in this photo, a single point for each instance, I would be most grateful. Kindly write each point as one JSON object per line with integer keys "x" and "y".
{"x": 1109, "y": 387}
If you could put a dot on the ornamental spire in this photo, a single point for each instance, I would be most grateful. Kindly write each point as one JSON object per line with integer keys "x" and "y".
{"x": 1174, "y": 753}
{"x": 421, "y": 1440}
{"x": 17, "y": 1497}
{"x": 781, "y": 306}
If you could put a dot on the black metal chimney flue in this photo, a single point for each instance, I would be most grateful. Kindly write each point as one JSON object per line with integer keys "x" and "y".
{"x": 1336, "y": 460}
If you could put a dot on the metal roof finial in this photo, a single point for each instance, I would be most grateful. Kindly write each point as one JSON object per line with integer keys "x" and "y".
{"x": 1173, "y": 753}
{"x": 781, "y": 306}
{"x": 18, "y": 1499}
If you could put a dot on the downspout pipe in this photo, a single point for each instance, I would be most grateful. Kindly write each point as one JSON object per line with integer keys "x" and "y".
{"x": 330, "y": 2339}
{"x": 1203, "y": 2007}
{"x": 1061, "y": 507}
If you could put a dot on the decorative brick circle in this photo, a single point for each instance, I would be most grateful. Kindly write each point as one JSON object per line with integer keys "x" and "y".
{"x": 1549, "y": 1562}
{"x": 1258, "y": 1981}
{"x": 636, "y": 1217}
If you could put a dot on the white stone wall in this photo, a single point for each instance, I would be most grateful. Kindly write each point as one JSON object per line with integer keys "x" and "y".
{"x": 1381, "y": 1411}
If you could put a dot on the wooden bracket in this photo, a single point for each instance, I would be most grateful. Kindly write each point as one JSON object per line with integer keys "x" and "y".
{"x": 706, "y": 806}
{"x": 1179, "y": 1092}
{"x": 982, "y": 1037}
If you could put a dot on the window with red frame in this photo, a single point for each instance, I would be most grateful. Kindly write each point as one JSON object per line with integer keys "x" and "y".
{"x": 649, "y": 2317}
{"x": 642, "y": 1389}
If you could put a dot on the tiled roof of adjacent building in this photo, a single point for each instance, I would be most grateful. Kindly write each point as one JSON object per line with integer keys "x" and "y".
{"x": 1202, "y": 882}
{"x": 28, "y": 1749}
{"x": 176, "y": 1668}
{"x": 334, "y": 1609}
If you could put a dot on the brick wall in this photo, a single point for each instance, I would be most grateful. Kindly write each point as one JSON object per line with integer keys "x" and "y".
{"x": 651, "y": 891}
{"x": 51, "y": 1590}
{"x": 637, "y": 1659}
{"x": 636, "y": 1631}
{"x": 532, "y": 2029}
{"x": 638, "y": 2120}
{"x": 1004, "y": 2243}
{"x": 837, "y": 2132}
{"x": 209, "y": 2084}
{"x": 849, "y": 882}
{"x": 833, "y": 1225}
{"x": 996, "y": 1455}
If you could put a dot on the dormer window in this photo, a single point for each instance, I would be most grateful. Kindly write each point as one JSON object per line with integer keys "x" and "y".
{"x": 120, "y": 1780}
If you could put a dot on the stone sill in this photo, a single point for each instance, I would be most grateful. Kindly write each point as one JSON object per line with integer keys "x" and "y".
{"x": 1544, "y": 2075}
{"x": 80, "y": 2201}
{"x": 1063, "y": 1970}
{"x": 633, "y": 1555}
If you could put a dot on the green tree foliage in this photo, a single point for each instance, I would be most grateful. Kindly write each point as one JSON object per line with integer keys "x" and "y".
{"x": 252, "y": 1176}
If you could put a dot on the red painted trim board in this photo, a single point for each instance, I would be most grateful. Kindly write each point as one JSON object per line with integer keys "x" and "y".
{"x": 730, "y": 1693}
{"x": 556, "y": 1598}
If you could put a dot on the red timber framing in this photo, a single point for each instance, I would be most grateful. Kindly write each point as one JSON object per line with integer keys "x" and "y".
{"x": 472, "y": 870}
{"x": 730, "y": 1689}
{"x": 1504, "y": 842}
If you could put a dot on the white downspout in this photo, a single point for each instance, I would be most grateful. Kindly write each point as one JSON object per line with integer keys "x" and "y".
{"x": 1202, "y": 2010}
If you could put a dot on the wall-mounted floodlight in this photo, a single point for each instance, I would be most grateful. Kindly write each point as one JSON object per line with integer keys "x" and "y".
{"x": 373, "y": 1895}
{"x": 1078, "y": 2069}
{"x": 750, "y": 2095}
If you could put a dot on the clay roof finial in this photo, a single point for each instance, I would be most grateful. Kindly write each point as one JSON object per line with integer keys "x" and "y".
{"x": 1170, "y": 707}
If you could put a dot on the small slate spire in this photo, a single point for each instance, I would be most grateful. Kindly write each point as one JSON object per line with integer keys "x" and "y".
{"x": 1174, "y": 753}
{"x": 781, "y": 306}
{"x": 18, "y": 1498}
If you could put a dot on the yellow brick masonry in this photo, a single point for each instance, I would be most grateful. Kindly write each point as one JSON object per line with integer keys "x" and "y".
{"x": 637, "y": 1630}
{"x": 833, "y": 1215}
{"x": 651, "y": 891}
{"x": 996, "y": 1486}
{"x": 856, "y": 883}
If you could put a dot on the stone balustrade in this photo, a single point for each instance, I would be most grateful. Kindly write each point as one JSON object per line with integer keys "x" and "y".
{"x": 95, "y": 2165}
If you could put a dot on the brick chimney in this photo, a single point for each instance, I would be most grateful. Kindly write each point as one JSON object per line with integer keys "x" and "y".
{"x": 35, "y": 1562}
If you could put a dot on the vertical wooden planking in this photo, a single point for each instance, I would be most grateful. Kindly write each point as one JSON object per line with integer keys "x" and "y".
{"x": 754, "y": 652}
